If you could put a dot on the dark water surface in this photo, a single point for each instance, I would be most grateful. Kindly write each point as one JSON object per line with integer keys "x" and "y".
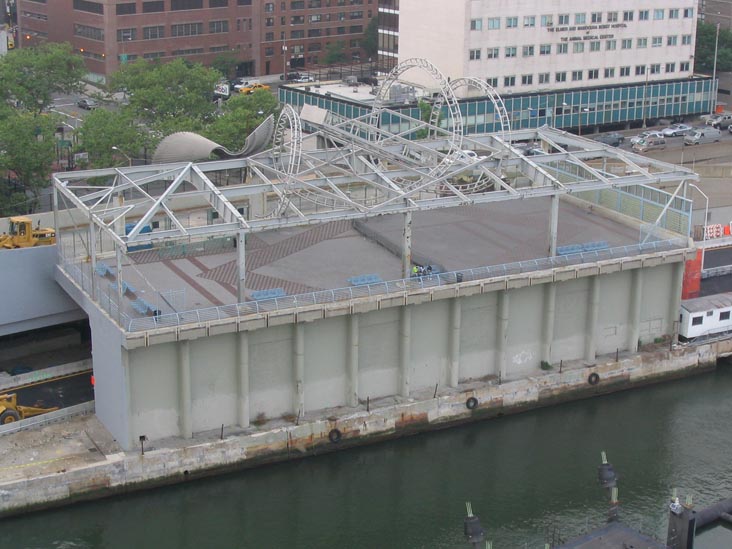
{"x": 525, "y": 475}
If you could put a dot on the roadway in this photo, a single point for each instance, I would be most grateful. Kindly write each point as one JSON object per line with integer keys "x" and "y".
{"x": 63, "y": 391}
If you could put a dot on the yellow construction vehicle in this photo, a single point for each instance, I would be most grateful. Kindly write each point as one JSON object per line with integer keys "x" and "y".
{"x": 10, "y": 411}
{"x": 23, "y": 235}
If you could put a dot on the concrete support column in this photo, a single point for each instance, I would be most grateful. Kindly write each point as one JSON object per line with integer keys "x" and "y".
{"x": 547, "y": 325}
{"x": 593, "y": 307}
{"x": 257, "y": 205}
{"x": 455, "y": 325}
{"x": 119, "y": 224}
{"x": 635, "y": 309}
{"x": 185, "y": 405}
{"x": 93, "y": 258}
{"x": 407, "y": 245}
{"x": 405, "y": 351}
{"x": 677, "y": 283}
{"x": 352, "y": 360}
{"x": 56, "y": 227}
{"x": 504, "y": 303}
{"x": 241, "y": 239}
{"x": 553, "y": 227}
{"x": 242, "y": 400}
{"x": 298, "y": 359}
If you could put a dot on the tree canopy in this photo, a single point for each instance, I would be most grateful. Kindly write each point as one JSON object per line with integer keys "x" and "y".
{"x": 31, "y": 76}
{"x": 371, "y": 38}
{"x": 706, "y": 35}
{"x": 240, "y": 116}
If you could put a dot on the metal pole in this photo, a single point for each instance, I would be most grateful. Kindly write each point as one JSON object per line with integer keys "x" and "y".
{"x": 713, "y": 99}
{"x": 645, "y": 94}
{"x": 706, "y": 216}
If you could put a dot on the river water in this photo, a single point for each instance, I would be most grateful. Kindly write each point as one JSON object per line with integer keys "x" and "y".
{"x": 526, "y": 475}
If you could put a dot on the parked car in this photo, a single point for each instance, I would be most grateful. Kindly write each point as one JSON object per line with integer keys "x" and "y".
{"x": 304, "y": 78}
{"x": 253, "y": 87}
{"x": 242, "y": 82}
{"x": 723, "y": 120}
{"x": 86, "y": 103}
{"x": 676, "y": 130}
{"x": 472, "y": 156}
{"x": 614, "y": 139}
{"x": 650, "y": 143}
{"x": 706, "y": 135}
{"x": 644, "y": 135}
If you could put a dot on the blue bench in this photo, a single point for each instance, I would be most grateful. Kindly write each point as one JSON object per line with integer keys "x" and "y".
{"x": 595, "y": 246}
{"x": 268, "y": 294}
{"x": 362, "y": 280}
{"x": 102, "y": 269}
{"x": 569, "y": 250}
{"x": 144, "y": 307}
{"x": 126, "y": 288}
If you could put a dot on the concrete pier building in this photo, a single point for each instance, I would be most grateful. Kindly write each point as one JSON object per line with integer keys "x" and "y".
{"x": 281, "y": 286}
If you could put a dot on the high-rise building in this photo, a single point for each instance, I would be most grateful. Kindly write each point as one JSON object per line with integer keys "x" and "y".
{"x": 264, "y": 37}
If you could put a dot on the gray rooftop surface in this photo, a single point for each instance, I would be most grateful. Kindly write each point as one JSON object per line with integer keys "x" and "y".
{"x": 325, "y": 256}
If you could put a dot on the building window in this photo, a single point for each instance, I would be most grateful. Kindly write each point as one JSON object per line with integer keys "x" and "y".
{"x": 596, "y": 17}
{"x": 126, "y": 9}
{"x": 190, "y": 51}
{"x": 688, "y": 13}
{"x": 179, "y": 5}
{"x": 670, "y": 67}
{"x": 626, "y": 44}
{"x": 563, "y": 18}
{"x": 492, "y": 53}
{"x": 697, "y": 320}
{"x": 686, "y": 39}
{"x": 672, "y": 40}
{"x": 527, "y": 79}
{"x": 560, "y": 77}
{"x": 217, "y": 27}
{"x": 476, "y": 24}
{"x": 640, "y": 70}
{"x": 474, "y": 55}
{"x": 153, "y": 7}
{"x": 543, "y": 78}
{"x": 268, "y": 52}
{"x": 510, "y": 51}
{"x": 595, "y": 45}
{"x": 578, "y": 47}
{"x": 547, "y": 21}
{"x": 656, "y": 68}
{"x": 593, "y": 74}
{"x": 92, "y": 33}
{"x": 529, "y": 21}
{"x": 218, "y": 4}
{"x": 611, "y": 45}
{"x": 562, "y": 47}
{"x": 545, "y": 49}
{"x": 724, "y": 315}
{"x": 91, "y": 7}
{"x": 511, "y": 22}
{"x": 269, "y": 7}
{"x": 684, "y": 66}
{"x": 580, "y": 18}
{"x": 627, "y": 16}
{"x": 641, "y": 43}
{"x": 509, "y": 81}
{"x": 126, "y": 35}
{"x": 612, "y": 17}
{"x": 152, "y": 55}
{"x": 494, "y": 23}
{"x": 492, "y": 81}
{"x": 186, "y": 29}
{"x": 658, "y": 14}
{"x": 528, "y": 51}
{"x": 673, "y": 13}
{"x": 657, "y": 41}
{"x": 576, "y": 76}
{"x": 643, "y": 15}
{"x": 610, "y": 72}
{"x": 624, "y": 71}
{"x": 153, "y": 33}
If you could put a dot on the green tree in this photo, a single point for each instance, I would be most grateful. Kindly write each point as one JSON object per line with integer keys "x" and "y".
{"x": 241, "y": 115}
{"x": 706, "y": 35}
{"x": 226, "y": 64}
{"x": 371, "y": 38}
{"x": 335, "y": 53}
{"x": 161, "y": 93}
{"x": 103, "y": 130}
{"x": 33, "y": 75}
{"x": 29, "y": 149}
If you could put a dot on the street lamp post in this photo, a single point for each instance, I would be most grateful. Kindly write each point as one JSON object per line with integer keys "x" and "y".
{"x": 116, "y": 148}
{"x": 645, "y": 94}
{"x": 713, "y": 101}
{"x": 706, "y": 215}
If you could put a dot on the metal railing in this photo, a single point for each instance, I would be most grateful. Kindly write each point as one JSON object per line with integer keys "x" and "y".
{"x": 238, "y": 310}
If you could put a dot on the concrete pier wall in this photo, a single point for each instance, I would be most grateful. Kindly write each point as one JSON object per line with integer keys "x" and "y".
{"x": 187, "y": 381}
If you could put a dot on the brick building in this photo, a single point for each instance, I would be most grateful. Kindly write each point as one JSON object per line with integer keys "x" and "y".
{"x": 263, "y": 36}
